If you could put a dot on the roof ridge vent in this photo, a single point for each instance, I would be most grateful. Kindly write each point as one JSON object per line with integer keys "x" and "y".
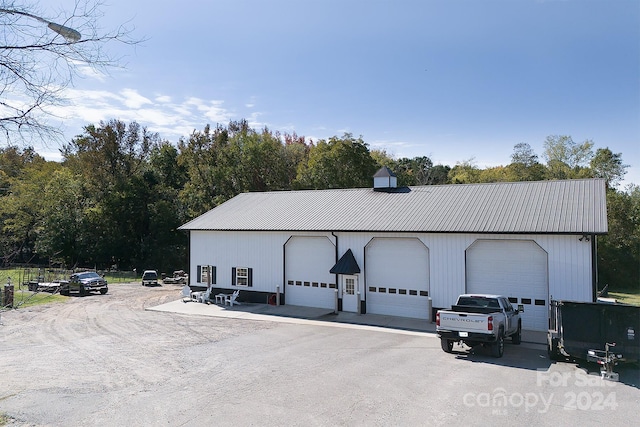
{"x": 384, "y": 178}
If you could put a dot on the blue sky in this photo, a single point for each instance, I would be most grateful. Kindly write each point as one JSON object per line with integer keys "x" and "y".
{"x": 453, "y": 80}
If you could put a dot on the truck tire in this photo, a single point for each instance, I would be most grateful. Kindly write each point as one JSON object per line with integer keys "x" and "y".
{"x": 497, "y": 348}
{"x": 447, "y": 345}
{"x": 517, "y": 337}
{"x": 552, "y": 349}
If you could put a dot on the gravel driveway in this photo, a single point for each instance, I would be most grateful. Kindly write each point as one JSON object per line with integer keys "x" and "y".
{"x": 104, "y": 360}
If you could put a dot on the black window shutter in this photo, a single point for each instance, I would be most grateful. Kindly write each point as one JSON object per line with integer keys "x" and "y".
{"x": 250, "y": 279}
{"x": 233, "y": 276}
{"x": 199, "y": 274}
{"x": 213, "y": 275}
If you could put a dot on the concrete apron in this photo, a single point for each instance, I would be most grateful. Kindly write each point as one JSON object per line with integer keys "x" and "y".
{"x": 299, "y": 314}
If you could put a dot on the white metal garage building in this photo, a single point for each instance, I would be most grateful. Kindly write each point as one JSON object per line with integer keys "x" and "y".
{"x": 405, "y": 251}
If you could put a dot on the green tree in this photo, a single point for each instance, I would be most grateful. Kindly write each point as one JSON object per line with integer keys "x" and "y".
{"x": 113, "y": 161}
{"x": 296, "y": 152}
{"x": 337, "y": 163}
{"x": 198, "y": 157}
{"x": 226, "y": 161}
{"x": 262, "y": 163}
{"x": 497, "y": 174}
{"x": 567, "y": 159}
{"x": 605, "y": 164}
{"x": 62, "y": 232}
{"x": 21, "y": 207}
{"x": 525, "y": 165}
{"x": 168, "y": 246}
{"x": 619, "y": 251}
{"x": 417, "y": 170}
{"x": 465, "y": 172}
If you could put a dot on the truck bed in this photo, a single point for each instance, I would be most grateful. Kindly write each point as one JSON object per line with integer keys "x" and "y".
{"x": 474, "y": 309}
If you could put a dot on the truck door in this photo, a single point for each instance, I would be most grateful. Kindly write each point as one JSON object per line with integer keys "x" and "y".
{"x": 509, "y": 314}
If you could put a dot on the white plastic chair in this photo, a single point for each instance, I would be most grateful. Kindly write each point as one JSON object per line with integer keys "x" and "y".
{"x": 231, "y": 299}
{"x": 186, "y": 294}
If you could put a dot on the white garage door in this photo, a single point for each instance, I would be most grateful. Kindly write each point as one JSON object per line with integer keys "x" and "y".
{"x": 307, "y": 264}
{"x": 516, "y": 269}
{"x": 397, "y": 277}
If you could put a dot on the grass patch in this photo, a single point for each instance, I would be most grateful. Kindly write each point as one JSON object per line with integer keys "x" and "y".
{"x": 627, "y": 298}
{"x": 24, "y": 298}
{"x": 122, "y": 277}
{"x": 4, "y": 419}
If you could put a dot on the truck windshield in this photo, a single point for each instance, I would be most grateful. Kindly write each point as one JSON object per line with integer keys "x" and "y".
{"x": 479, "y": 302}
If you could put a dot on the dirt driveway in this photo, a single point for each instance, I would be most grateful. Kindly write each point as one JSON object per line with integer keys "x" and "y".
{"x": 105, "y": 360}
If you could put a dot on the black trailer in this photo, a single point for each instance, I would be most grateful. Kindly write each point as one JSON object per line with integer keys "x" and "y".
{"x": 606, "y": 333}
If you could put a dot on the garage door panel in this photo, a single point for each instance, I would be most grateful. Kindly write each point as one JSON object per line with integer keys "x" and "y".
{"x": 397, "y": 277}
{"x": 307, "y": 264}
{"x": 309, "y": 296}
{"x": 516, "y": 269}
{"x": 398, "y": 305}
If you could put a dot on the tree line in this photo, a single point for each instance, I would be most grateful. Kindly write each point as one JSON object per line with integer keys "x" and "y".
{"x": 120, "y": 192}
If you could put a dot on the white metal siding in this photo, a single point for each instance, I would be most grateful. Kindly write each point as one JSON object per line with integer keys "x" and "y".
{"x": 569, "y": 260}
{"x": 307, "y": 280}
{"x": 261, "y": 251}
{"x": 515, "y": 269}
{"x": 397, "y": 277}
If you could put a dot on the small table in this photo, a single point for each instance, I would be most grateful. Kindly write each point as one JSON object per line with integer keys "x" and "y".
{"x": 197, "y": 296}
{"x": 220, "y": 298}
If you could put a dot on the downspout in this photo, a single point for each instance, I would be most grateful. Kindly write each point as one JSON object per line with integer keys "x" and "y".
{"x": 189, "y": 258}
{"x": 594, "y": 267}
{"x": 284, "y": 273}
{"x": 335, "y": 262}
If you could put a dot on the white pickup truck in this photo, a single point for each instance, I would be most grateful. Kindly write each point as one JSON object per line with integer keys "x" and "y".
{"x": 479, "y": 320}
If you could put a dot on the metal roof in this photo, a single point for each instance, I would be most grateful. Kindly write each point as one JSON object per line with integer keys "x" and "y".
{"x": 347, "y": 264}
{"x": 565, "y": 206}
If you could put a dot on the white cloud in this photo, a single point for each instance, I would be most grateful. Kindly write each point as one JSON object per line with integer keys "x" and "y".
{"x": 133, "y": 99}
{"x": 159, "y": 113}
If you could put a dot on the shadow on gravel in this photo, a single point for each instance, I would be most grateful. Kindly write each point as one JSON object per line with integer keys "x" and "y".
{"x": 535, "y": 357}
{"x": 525, "y": 356}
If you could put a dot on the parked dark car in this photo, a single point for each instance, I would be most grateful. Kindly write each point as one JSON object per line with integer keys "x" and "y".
{"x": 83, "y": 283}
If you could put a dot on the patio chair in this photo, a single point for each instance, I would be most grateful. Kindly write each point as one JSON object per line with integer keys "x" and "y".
{"x": 186, "y": 294}
{"x": 231, "y": 299}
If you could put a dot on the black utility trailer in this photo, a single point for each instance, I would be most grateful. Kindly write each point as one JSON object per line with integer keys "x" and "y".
{"x": 606, "y": 333}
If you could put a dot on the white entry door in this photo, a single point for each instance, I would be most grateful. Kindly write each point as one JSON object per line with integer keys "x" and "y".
{"x": 350, "y": 293}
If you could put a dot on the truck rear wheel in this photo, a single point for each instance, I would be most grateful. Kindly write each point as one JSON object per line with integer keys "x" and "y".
{"x": 447, "y": 345}
{"x": 497, "y": 349}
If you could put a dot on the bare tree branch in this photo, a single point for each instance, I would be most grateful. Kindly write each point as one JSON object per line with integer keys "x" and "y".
{"x": 39, "y": 58}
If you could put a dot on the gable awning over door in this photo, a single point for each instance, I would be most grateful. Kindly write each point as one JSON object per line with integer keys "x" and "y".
{"x": 346, "y": 264}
